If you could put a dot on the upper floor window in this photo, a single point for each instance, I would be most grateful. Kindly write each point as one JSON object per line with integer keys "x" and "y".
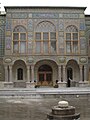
{"x": 19, "y": 40}
{"x": 45, "y": 38}
{"x": 72, "y": 39}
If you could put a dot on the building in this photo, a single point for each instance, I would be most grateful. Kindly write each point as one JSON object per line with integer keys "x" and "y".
{"x": 40, "y": 45}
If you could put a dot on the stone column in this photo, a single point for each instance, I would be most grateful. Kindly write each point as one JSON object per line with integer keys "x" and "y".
{"x": 8, "y": 77}
{"x": 6, "y": 73}
{"x": 32, "y": 73}
{"x": 85, "y": 73}
{"x": 10, "y": 74}
{"x": 81, "y": 73}
{"x": 59, "y": 73}
{"x": 28, "y": 74}
{"x": 64, "y": 74}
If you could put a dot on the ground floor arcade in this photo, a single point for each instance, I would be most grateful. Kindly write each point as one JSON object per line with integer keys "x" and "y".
{"x": 45, "y": 73}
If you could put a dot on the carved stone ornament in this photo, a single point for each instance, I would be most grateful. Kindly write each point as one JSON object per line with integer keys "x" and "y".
{"x": 83, "y": 60}
{"x": 62, "y": 59}
{"x": 8, "y": 60}
{"x": 30, "y": 60}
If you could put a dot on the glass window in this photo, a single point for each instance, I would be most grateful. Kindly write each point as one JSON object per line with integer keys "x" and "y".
{"x": 45, "y": 36}
{"x": 53, "y": 46}
{"x": 22, "y": 47}
{"x": 19, "y": 40}
{"x": 38, "y": 36}
{"x": 15, "y": 36}
{"x": 45, "y": 47}
{"x": 75, "y": 47}
{"x": 68, "y": 36}
{"x": 75, "y": 36}
{"x": 53, "y": 35}
{"x": 71, "y": 39}
{"x": 22, "y": 36}
{"x": 38, "y": 47}
{"x": 15, "y": 46}
{"x": 68, "y": 47}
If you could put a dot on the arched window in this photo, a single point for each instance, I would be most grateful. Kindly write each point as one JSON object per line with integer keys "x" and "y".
{"x": 19, "y": 74}
{"x": 45, "y": 38}
{"x": 72, "y": 39}
{"x": 19, "y": 39}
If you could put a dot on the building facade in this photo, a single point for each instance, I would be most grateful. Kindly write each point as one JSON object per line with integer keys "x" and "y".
{"x": 42, "y": 45}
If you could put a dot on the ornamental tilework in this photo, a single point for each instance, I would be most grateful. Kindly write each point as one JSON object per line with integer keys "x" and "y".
{"x": 30, "y": 15}
{"x": 8, "y": 33}
{"x": 8, "y": 24}
{"x": 8, "y": 15}
{"x": 71, "y": 15}
{"x": 30, "y": 24}
{"x": 82, "y": 26}
{"x": 19, "y": 15}
{"x": 81, "y": 15}
{"x": 30, "y": 36}
{"x": 19, "y": 22}
{"x": 45, "y": 15}
{"x": 83, "y": 43}
{"x": 8, "y": 42}
{"x": 82, "y": 33}
{"x": 61, "y": 25}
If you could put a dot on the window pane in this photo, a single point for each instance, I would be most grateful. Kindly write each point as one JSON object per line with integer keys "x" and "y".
{"x": 15, "y": 47}
{"x": 68, "y": 36}
{"x": 38, "y": 47}
{"x": 22, "y": 36}
{"x": 75, "y": 47}
{"x": 68, "y": 47}
{"x": 45, "y": 36}
{"x": 75, "y": 36}
{"x": 53, "y": 46}
{"x": 38, "y": 36}
{"x": 52, "y": 35}
{"x": 15, "y": 36}
{"x": 22, "y": 47}
{"x": 45, "y": 47}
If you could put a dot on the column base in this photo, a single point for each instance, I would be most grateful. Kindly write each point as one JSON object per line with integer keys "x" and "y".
{"x": 83, "y": 83}
{"x": 8, "y": 84}
{"x": 61, "y": 84}
{"x": 30, "y": 85}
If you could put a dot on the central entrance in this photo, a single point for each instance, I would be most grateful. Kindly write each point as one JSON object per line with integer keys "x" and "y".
{"x": 45, "y": 75}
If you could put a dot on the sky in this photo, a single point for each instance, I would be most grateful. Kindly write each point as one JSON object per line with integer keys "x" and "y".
{"x": 77, "y": 3}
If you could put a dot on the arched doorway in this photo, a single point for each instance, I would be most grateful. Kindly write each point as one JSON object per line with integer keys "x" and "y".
{"x": 45, "y": 75}
{"x": 69, "y": 76}
{"x": 19, "y": 74}
{"x": 73, "y": 73}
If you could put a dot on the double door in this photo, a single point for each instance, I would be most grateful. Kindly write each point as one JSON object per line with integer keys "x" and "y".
{"x": 45, "y": 78}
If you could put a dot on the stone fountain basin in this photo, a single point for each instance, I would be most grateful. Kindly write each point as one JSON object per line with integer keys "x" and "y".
{"x": 70, "y": 110}
{"x": 65, "y": 117}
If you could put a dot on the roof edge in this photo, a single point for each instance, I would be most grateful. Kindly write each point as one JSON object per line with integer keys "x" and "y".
{"x": 58, "y": 7}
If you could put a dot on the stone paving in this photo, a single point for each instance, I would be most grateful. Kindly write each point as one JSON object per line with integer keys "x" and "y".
{"x": 37, "y": 107}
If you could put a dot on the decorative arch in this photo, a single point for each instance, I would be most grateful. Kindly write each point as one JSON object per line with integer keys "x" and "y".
{"x": 45, "y": 38}
{"x": 19, "y": 39}
{"x": 73, "y": 74}
{"x": 46, "y": 70}
{"x": 71, "y": 28}
{"x": 19, "y": 71}
{"x": 72, "y": 39}
{"x": 19, "y": 28}
{"x": 45, "y": 26}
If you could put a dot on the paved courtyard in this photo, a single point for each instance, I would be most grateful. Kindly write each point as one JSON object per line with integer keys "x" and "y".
{"x": 20, "y": 108}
